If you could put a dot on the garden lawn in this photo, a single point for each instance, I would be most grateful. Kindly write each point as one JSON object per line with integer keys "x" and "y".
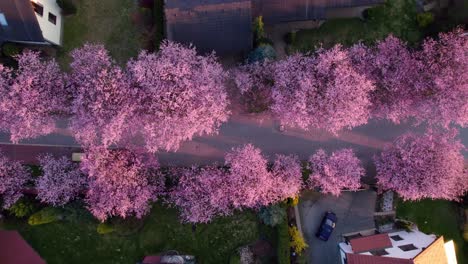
{"x": 436, "y": 217}
{"x": 78, "y": 242}
{"x": 107, "y": 22}
{"x": 397, "y": 17}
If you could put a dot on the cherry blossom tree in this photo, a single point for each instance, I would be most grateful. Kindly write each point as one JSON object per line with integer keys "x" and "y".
{"x": 181, "y": 95}
{"x": 324, "y": 91}
{"x": 103, "y": 101}
{"x": 200, "y": 194}
{"x": 394, "y": 70}
{"x": 335, "y": 172}
{"x": 13, "y": 178}
{"x": 423, "y": 166}
{"x": 287, "y": 177}
{"x": 31, "y": 97}
{"x": 61, "y": 181}
{"x": 255, "y": 82}
{"x": 249, "y": 180}
{"x": 445, "y": 69}
{"x": 121, "y": 183}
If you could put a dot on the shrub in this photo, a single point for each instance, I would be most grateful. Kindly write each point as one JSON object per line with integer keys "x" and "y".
{"x": 424, "y": 19}
{"x": 282, "y": 250}
{"x": 258, "y": 30}
{"x": 293, "y": 201}
{"x": 272, "y": 215}
{"x": 290, "y": 38}
{"x": 45, "y": 216}
{"x": 105, "y": 228}
{"x": 403, "y": 224}
{"x": 22, "y": 208}
{"x": 261, "y": 53}
{"x": 67, "y": 6}
{"x": 297, "y": 241}
{"x": 10, "y": 49}
{"x": 158, "y": 14}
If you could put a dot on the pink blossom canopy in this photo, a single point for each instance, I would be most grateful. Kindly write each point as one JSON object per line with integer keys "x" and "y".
{"x": 13, "y": 178}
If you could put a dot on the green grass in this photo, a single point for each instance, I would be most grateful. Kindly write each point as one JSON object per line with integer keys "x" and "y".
{"x": 78, "y": 242}
{"x": 397, "y": 17}
{"x": 436, "y": 217}
{"x": 105, "y": 22}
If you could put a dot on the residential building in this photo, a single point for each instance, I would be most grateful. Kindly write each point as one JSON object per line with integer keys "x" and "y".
{"x": 37, "y": 22}
{"x": 401, "y": 247}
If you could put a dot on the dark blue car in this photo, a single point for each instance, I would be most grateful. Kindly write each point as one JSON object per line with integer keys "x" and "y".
{"x": 327, "y": 226}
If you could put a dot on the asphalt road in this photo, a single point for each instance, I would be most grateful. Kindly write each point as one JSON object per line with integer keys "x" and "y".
{"x": 355, "y": 212}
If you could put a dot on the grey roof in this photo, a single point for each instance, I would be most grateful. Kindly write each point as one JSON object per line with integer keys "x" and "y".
{"x": 220, "y": 25}
{"x": 21, "y": 20}
{"x": 277, "y": 11}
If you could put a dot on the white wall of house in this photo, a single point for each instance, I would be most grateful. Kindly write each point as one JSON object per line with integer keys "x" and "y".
{"x": 417, "y": 238}
{"x": 50, "y": 31}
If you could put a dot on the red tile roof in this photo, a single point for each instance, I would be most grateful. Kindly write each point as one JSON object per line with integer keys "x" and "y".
{"x": 14, "y": 250}
{"x": 370, "y": 259}
{"x": 368, "y": 243}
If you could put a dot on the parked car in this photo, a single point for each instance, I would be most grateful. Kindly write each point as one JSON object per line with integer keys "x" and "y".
{"x": 327, "y": 226}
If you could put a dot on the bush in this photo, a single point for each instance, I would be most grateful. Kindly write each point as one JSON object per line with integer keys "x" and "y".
{"x": 105, "y": 228}
{"x": 272, "y": 215}
{"x": 282, "y": 250}
{"x": 158, "y": 16}
{"x": 258, "y": 30}
{"x": 290, "y": 38}
{"x": 67, "y": 6}
{"x": 11, "y": 49}
{"x": 22, "y": 208}
{"x": 403, "y": 224}
{"x": 262, "y": 53}
{"x": 297, "y": 241}
{"x": 292, "y": 201}
{"x": 45, "y": 216}
{"x": 424, "y": 19}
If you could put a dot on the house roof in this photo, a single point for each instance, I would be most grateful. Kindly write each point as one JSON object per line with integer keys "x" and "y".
{"x": 370, "y": 259}
{"x": 278, "y": 11}
{"x": 21, "y": 20}
{"x": 368, "y": 243}
{"x": 220, "y": 25}
{"x": 14, "y": 250}
{"x": 434, "y": 253}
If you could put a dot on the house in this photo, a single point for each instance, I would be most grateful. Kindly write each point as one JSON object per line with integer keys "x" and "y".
{"x": 14, "y": 250}
{"x": 36, "y": 22}
{"x": 220, "y": 25}
{"x": 401, "y": 247}
{"x": 226, "y": 25}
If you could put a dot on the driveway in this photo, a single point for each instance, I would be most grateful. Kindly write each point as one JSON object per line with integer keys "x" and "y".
{"x": 355, "y": 212}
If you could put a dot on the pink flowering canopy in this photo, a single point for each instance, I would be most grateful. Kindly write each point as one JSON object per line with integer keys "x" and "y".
{"x": 395, "y": 72}
{"x": 287, "y": 177}
{"x": 255, "y": 82}
{"x": 120, "y": 183}
{"x": 61, "y": 181}
{"x": 103, "y": 100}
{"x": 181, "y": 95}
{"x": 445, "y": 68}
{"x": 423, "y": 166}
{"x": 31, "y": 97}
{"x": 323, "y": 92}
{"x": 201, "y": 195}
{"x": 13, "y": 178}
{"x": 335, "y": 172}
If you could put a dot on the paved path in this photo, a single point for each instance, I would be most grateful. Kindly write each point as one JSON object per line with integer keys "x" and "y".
{"x": 263, "y": 132}
{"x": 354, "y": 211}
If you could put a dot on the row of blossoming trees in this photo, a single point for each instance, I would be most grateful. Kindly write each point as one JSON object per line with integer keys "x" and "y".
{"x": 123, "y": 183}
{"x": 165, "y": 98}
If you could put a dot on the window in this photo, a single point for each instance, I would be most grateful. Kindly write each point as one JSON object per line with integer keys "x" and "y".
{"x": 52, "y": 18}
{"x": 396, "y": 238}
{"x": 407, "y": 247}
{"x": 3, "y": 21}
{"x": 38, "y": 8}
{"x": 380, "y": 252}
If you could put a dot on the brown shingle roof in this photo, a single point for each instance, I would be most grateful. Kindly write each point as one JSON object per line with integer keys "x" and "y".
{"x": 14, "y": 250}
{"x": 368, "y": 243}
{"x": 370, "y": 259}
{"x": 434, "y": 253}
